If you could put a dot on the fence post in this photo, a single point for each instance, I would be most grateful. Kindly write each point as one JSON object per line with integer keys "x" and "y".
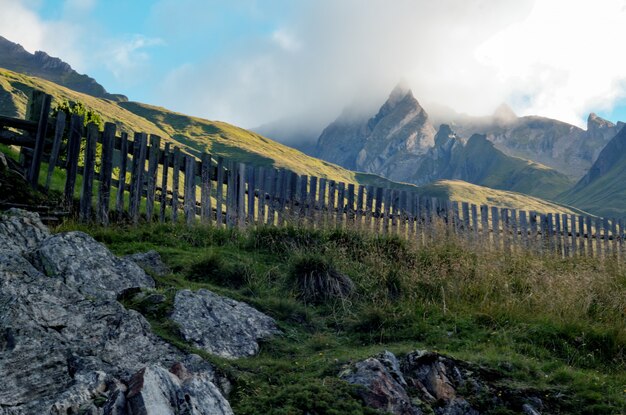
{"x": 241, "y": 195}
{"x": 262, "y": 194}
{"x": 76, "y": 132}
{"x": 175, "y": 183}
{"x": 164, "y": 177}
{"x": 190, "y": 189}
{"x": 251, "y": 180}
{"x": 106, "y": 169}
{"x": 153, "y": 164}
{"x": 88, "y": 173}
{"x": 40, "y": 140}
{"x": 219, "y": 192}
{"x": 56, "y": 146}
{"x": 206, "y": 213}
{"x": 136, "y": 181}
{"x": 121, "y": 181}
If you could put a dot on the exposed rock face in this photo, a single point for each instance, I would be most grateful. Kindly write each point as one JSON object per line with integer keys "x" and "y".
{"x": 88, "y": 266}
{"x": 155, "y": 391}
{"x": 14, "y": 57}
{"x": 65, "y": 352}
{"x": 372, "y": 145}
{"x": 21, "y": 231}
{"x": 220, "y": 325}
{"x": 400, "y": 143}
{"x": 429, "y": 382}
{"x": 150, "y": 261}
{"x": 384, "y": 386}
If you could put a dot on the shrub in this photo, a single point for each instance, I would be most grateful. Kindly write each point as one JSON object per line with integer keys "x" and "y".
{"x": 316, "y": 280}
{"x": 212, "y": 268}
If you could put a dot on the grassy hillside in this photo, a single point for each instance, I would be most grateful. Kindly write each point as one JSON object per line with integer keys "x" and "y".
{"x": 461, "y": 191}
{"x": 195, "y": 135}
{"x": 602, "y": 190}
{"x": 540, "y": 326}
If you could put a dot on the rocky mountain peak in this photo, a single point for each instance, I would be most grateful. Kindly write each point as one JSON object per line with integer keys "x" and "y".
{"x": 444, "y": 135}
{"x": 595, "y": 122}
{"x": 504, "y": 113}
{"x": 399, "y": 92}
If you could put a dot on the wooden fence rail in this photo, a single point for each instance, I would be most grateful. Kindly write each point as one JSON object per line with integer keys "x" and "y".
{"x": 154, "y": 182}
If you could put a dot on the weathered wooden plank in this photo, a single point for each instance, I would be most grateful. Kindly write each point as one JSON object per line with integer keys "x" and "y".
{"x": 614, "y": 245}
{"x": 386, "y": 210}
{"x": 583, "y": 238}
{"x": 589, "y": 236}
{"x": 282, "y": 182}
{"x": 322, "y": 201}
{"x": 332, "y": 188}
{"x": 514, "y": 228}
{"x": 359, "y": 206}
{"x": 605, "y": 237}
{"x": 598, "y": 233}
{"x": 466, "y": 218}
{"x": 369, "y": 206}
{"x": 164, "y": 183}
{"x": 75, "y": 133}
{"x": 312, "y": 202}
{"x": 40, "y": 141}
{"x": 573, "y": 238}
{"x": 33, "y": 112}
{"x": 566, "y": 237}
{"x": 121, "y": 179}
{"x": 176, "y": 164}
{"x": 495, "y": 227}
{"x": 484, "y": 224}
{"x": 231, "y": 185}
{"x": 86, "y": 194}
{"x": 106, "y": 171}
{"x": 219, "y": 191}
{"x": 59, "y": 129}
{"x": 535, "y": 229}
{"x": 506, "y": 229}
{"x": 474, "y": 218}
{"x": 550, "y": 231}
{"x": 402, "y": 213}
{"x": 241, "y": 195}
{"x": 393, "y": 212}
{"x": 303, "y": 197}
{"x": 413, "y": 209}
{"x": 350, "y": 216}
{"x": 137, "y": 179}
{"x": 523, "y": 227}
{"x": 341, "y": 203}
{"x": 251, "y": 192}
{"x": 261, "y": 180}
{"x": 190, "y": 189}
{"x": 621, "y": 231}
{"x": 151, "y": 179}
{"x": 559, "y": 242}
{"x": 271, "y": 191}
{"x": 206, "y": 211}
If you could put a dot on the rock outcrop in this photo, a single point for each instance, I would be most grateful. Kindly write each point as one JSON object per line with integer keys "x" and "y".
{"x": 220, "y": 325}
{"x": 427, "y": 382}
{"x": 64, "y": 350}
{"x": 151, "y": 262}
{"x": 14, "y": 57}
{"x": 88, "y": 266}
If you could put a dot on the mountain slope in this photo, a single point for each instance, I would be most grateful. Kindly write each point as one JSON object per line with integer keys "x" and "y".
{"x": 556, "y": 144}
{"x": 603, "y": 189}
{"x": 14, "y": 57}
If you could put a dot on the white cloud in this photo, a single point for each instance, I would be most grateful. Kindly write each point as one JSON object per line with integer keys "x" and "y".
{"x": 563, "y": 59}
{"x": 126, "y": 58}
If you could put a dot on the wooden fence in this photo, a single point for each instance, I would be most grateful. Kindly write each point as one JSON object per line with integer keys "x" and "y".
{"x": 143, "y": 179}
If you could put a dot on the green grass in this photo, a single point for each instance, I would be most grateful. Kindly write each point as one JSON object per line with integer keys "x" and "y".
{"x": 544, "y": 324}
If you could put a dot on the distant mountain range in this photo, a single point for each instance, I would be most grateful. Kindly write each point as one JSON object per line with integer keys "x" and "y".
{"x": 14, "y": 57}
{"x": 400, "y": 143}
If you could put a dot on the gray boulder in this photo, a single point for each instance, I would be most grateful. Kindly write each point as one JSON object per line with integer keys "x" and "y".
{"x": 151, "y": 262}
{"x": 383, "y": 387}
{"x": 21, "y": 231}
{"x": 155, "y": 391}
{"x": 220, "y": 325}
{"x": 88, "y": 266}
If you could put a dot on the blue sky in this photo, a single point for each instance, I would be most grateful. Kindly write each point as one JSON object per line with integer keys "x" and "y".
{"x": 251, "y": 62}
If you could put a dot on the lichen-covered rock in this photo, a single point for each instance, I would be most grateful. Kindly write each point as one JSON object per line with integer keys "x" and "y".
{"x": 150, "y": 261}
{"x": 21, "y": 231}
{"x": 60, "y": 352}
{"x": 382, "y": 389}
{"x": 220, "y": 325}
{"x": 88, "y": 266}
{"x": 155, "y": 391}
